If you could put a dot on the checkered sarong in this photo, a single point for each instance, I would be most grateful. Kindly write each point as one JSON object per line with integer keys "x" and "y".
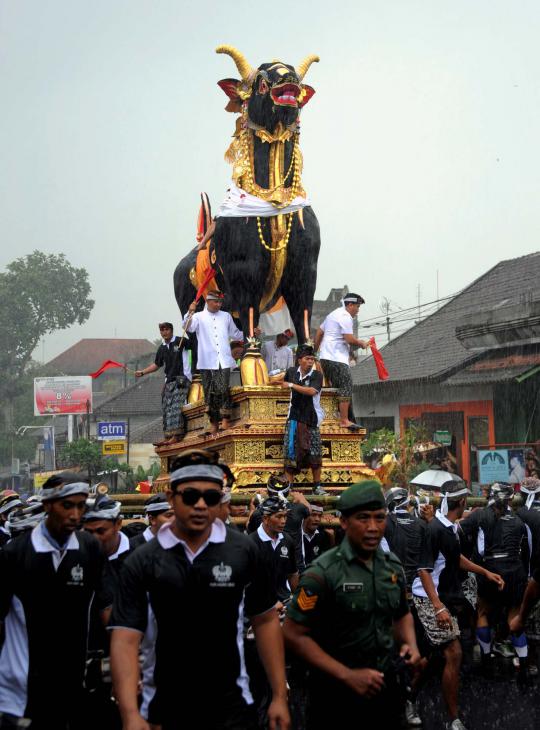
{"x": 339, "y": 376}
{"x": 436, "y": 635}
{"x": 173, "y": 397}
{"x": 217, "y": 396}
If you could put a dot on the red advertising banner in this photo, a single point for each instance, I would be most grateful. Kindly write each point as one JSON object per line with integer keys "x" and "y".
{"x": 64, "y": 395}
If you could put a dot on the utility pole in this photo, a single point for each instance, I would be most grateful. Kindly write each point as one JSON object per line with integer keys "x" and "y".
{"x": 418, "y": 296}
{"x": 385, "y": 309}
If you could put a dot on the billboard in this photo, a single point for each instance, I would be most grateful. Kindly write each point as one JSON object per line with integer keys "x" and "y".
{"x": 63, "y": 395}
{"x": 501, "y": 465}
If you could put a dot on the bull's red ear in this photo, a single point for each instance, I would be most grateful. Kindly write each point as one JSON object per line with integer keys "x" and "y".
{"x": 230, "y": 87}
{"x": 306, "y": 94}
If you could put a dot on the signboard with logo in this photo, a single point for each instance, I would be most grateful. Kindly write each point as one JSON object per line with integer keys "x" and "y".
{"x": 113, "y": 448}
{"x": 111, "y": 430}
{"x": 501, "y": 465}
{"x": 443, "y": 437}
{"x": 60, "y": 396}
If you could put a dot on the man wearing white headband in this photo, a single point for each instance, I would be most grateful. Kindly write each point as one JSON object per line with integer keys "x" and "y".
{"x": 214, "y": 329}
{"x": 200, "y": 579}
{"x": 502, "y": 545}
{"x": 50, "y": 578}
{"x": 333, "y": 340}
{"x": 158, "y": 512}
{"x": 438, "y": 593}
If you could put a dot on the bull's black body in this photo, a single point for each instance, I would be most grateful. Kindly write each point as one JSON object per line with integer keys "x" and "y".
{"x": 242, "y": 262}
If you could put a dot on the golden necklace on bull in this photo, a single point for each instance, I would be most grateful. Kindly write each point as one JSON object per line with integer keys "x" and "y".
{"x": 241, "y": 155}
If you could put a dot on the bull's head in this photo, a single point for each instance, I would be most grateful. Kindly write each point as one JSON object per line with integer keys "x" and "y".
{"x": 274, "y": 92}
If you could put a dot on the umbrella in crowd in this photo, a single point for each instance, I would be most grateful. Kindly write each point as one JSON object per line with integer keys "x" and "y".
{"x": 434, "y": 478}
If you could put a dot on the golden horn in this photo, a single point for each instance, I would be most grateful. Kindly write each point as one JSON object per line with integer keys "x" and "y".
{"x": 306, "y": 63}
{"x": 240, "y": 60}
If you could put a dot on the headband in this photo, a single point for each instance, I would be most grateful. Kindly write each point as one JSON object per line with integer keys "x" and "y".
{"x": 109, "y": 511}
{"x": 197, "y": 472}
{"x": 315, "y": 508}
{"x": 226, "y": 497}
{"x": 214, "y": 297}
{"x": 459, "y": 493}
{"x": 64, "y": 490}
{"x": 12, "y": 501}
{"x": 157, "y": 507}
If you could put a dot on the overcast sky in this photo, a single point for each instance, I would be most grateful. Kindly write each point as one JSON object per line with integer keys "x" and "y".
{"x": 420, "y": 146}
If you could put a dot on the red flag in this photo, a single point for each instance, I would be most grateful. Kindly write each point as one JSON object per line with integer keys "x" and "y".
{"x": 382, "y": 372}
{"x": 107, "y": 365}
{"x": 209, "y": 276}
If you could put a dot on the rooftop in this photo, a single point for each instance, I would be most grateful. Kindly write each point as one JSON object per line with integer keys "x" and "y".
{"x": 88, "y": 354}
{"x": 431, "y": 350}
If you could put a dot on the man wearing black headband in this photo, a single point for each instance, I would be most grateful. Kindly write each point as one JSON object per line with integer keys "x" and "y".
{"x": 302, "y": 437}
{"x": 199, "y": 578}
{"x": 50, "y": 578}
{"x": 214, "y": 330}
{"x": 173, "y": 356}
{"x": 333, "y": 340}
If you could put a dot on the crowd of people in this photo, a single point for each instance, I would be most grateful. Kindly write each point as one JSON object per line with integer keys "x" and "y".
{"x": 205, "y": 620}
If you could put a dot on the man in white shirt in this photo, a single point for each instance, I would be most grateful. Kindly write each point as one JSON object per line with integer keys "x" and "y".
{"x": 214, "y": 329}
{"x": 333, "y": 339}
{"x": 277, "y": 355}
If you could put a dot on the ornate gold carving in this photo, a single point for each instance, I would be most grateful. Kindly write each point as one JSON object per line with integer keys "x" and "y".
{"x": 250, "y": 451}
{"x": 275, "y": 451}
{"x": 346, "y": 451}
{"x": 282, "y": 408}
{"x": 262, "y": 409}
{"x": 164, "y": 466}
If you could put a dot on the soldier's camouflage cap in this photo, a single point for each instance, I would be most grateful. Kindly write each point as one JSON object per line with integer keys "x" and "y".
{"x": 366, "y": 495}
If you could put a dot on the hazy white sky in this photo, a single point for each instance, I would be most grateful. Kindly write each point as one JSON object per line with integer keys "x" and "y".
{"x": 420, "y": 145}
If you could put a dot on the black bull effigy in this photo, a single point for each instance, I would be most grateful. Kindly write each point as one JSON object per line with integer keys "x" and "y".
{"x": 266, "y": 241}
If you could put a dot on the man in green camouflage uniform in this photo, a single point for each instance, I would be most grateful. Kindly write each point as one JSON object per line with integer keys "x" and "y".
{"x": 348, "y": 612}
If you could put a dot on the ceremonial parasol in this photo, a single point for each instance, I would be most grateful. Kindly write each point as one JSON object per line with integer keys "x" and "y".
{"x": 434, "y": 478}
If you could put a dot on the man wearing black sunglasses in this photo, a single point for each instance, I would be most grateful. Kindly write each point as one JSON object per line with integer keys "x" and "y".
{"x": 199, "y": 578}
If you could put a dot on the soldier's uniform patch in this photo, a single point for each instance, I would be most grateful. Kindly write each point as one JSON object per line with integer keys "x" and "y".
{"x": 306, "y": 602}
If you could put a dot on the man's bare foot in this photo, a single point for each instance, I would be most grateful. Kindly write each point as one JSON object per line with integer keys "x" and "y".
{"x": 225, "y": 424}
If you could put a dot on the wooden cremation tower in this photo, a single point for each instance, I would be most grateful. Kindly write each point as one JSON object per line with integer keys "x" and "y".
{"x": 253, "y": 446}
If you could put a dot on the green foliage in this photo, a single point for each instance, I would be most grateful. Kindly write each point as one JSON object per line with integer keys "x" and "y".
{"x": 39, "y": 293}
{"x": 83, "y": 453}
{"x": 407, "y": 449}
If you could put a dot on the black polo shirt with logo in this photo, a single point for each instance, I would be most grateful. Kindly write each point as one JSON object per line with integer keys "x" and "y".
{"x": 280, "y": 560}
{"x": 313, "y": 546}
{"x": 45, "y": 600}
{"x": 199, "y": 603}
{"x": 169, "y": 357}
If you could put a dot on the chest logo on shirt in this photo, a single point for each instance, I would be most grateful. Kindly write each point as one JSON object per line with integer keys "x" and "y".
{"x": 316, "y": 550}
{"x": 284, "y": 551}
{"x": 222, "y": 576}
{"x": 77, "y": 576}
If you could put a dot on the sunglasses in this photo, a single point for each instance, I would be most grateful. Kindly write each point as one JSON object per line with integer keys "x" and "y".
{"x": 191, "y": 496}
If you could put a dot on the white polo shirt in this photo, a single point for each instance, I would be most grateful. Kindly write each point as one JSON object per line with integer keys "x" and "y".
{"x": 333, "y": 346}
{"x": 214, "y": 332}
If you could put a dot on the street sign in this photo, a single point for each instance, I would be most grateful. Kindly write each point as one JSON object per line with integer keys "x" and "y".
{"x": 41, "y": 477}
{"x": 111, "y": 430}
{"x": 113, "y": 448}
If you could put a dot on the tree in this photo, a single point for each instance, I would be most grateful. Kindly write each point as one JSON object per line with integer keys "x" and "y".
{"x": 39, "y": 294}
{"x": 84, "y": 454}
{"x": 407, "y": 449}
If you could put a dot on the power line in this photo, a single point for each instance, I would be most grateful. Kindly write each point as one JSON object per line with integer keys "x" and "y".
{"x": 415, "y": 307}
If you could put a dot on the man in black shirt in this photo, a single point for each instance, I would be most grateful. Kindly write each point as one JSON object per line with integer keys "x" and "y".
{"x": 302, "y": 438}
{"x": 199, "y": 578}
{"x": 297, "y": 510}
{"x": 314, "y": 540}
{"x": 501, "y": 541}
{"x": 158, "y": 512}
{"x": 276, "y": 547}
{"x": 405, "y": 534}
{"x": 50, "y": 577}
{"x": 437, "y": 591}
{"x": 172, "y": 356}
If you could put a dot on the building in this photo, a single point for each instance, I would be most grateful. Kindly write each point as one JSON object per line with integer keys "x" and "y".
{"x": 471, "y": 369}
